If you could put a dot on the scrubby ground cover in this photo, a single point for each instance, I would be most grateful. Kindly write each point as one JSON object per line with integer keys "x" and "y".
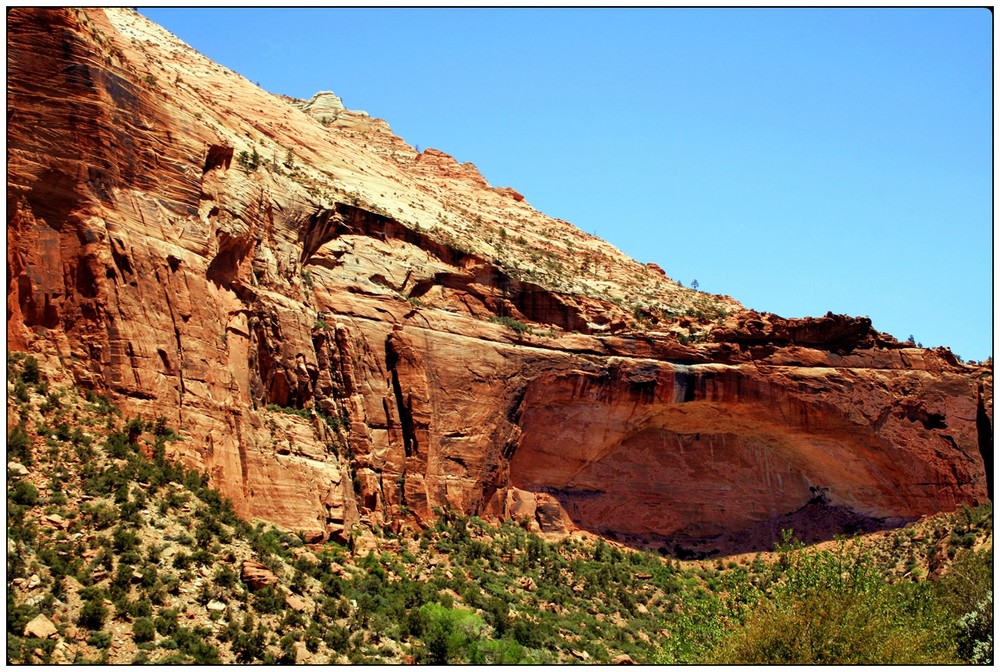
{"x": 130, "y": 558}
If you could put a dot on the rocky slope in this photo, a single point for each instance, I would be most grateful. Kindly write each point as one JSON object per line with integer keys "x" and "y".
{"x": 349, "y": 333}
{"x": 115, "y": 555}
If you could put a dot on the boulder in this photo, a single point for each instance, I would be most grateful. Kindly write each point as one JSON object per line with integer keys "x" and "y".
{"x": 41, "y": 627}
{"x": 216, "y": 606}
{"x": 16, "y": 470}
{"x": 295, "y": 602}
{"x": 256, "y": 575}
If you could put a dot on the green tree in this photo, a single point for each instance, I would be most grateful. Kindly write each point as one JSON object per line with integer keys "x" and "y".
{"x": 835, "y": 607}
{"x": 449, "y": 633}
{"x": 19, "y": 446}
{"x": 975, "y": 634}
{"x": 93, "y": 613}
{"x": 30, "y": 374}
{"x": 24, "y": 493}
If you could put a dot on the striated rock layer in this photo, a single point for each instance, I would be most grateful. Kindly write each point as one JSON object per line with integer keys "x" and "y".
{"x": 348, "y": 332}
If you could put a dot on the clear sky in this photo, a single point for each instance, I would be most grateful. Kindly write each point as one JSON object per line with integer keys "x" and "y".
{"x": 799, "y": 160}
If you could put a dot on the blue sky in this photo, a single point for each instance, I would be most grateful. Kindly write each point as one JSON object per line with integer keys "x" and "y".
{"x": 799, "y": 160}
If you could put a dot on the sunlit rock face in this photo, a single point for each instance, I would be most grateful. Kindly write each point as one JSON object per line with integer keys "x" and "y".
{"x": 348, "y": 332}
{"x": 707, "y": 451}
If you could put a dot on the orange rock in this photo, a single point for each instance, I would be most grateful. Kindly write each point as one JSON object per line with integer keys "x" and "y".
{"x": 257, "y": 575}
{"x": 295, "y": 602}
{"x": 40, "y": 627}
{"x": 316, "y": 324}
{"x": 509, "y": 193}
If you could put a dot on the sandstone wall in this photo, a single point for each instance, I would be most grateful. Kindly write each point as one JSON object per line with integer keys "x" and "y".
{"x": 355, "y": 283}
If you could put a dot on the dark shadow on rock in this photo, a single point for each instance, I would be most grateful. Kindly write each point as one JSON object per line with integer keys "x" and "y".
{"x": 815, "y": 522}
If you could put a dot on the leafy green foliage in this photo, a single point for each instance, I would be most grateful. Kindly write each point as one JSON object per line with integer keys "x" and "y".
{"x": 166, "y": 622}
{"x": 836, "y": 607}
{"x": 509, "y": 322}
{"x": 18, "y": 615}
{"x": 99, "y": 640}
{"x": 194, "y": 643}
{"x": 93, "y": 613}
{"x": 966, "y": 592}
{"x": 24, "y": 493}
{"x": 100, "y": 404}
{"x": 447, "y": 632}
{"x": 249, "y": 161}
{"x": 975, "y": 636}
{"x": 249, "y": 642}
{"x": 21, "y": 392}
{"x": 19, "y": 446}
{"x": 269, "y": 600}
{"x": 29, "y": 373}
{"x": 301, "y": 412}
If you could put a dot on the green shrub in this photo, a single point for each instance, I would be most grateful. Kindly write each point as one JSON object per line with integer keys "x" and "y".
{"x": 21, "y": 392}
{"x": 166, "y": 622}
{"x": 269, "y": 600}
{"x": 202, "y": 557}
{"x": 194, "y": 643}
{"x": 225, "y": 576}
{"x": 117, "y": 445}
{"x": 99, "y": 640}
{"x": 449, "y": 633}
{"x": 250, "y": 643}
{"x": 975, "y": 634}
{"x": 835, "y": 607}
{"x": 19, "y": 446}
{"x": 518, "y": 326}
{"x": 967, "y": 583}
{"x": 100, "y": 516}
{"x": 287, "y": 644}
{"x": 99, "y": 404}
{"x": 52, "y": 403}
{"x": 30, "y": 374}
{"x": 24, "y": 493}
{"x": 124, "y": 540}
{"x": 498, "y": 652}
{"x": 161, "y": 430}
{"x": 141, "y": 609}
{"x": 249, "y": 161}
{"x": 497, "y": 613}
{"x": 18, "y": 615}
{"x": 16, "y": 650}
{"x": 93, "y": 613}
{"x": 526, "y": 633}
{"x": 825, "y": 627}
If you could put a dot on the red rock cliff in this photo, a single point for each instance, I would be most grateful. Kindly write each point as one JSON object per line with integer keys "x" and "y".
{"x": 218, "y": 255}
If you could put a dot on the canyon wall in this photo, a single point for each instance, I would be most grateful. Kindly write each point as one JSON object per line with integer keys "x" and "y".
{"x": 351, "y": 333}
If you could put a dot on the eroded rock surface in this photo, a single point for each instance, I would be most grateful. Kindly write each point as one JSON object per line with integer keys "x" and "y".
{"x": 348, "y": 332}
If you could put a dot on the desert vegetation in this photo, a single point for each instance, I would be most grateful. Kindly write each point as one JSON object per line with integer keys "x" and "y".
{"x": 117, "y": 554}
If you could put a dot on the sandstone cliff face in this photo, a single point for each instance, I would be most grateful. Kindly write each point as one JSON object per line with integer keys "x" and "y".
{"x": 218, "y": 255}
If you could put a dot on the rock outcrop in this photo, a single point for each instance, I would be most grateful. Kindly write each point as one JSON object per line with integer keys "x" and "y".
{"x": 256, "y": 575}
{"x": 351, "y": 333}
{"x": 40, "y": 627}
